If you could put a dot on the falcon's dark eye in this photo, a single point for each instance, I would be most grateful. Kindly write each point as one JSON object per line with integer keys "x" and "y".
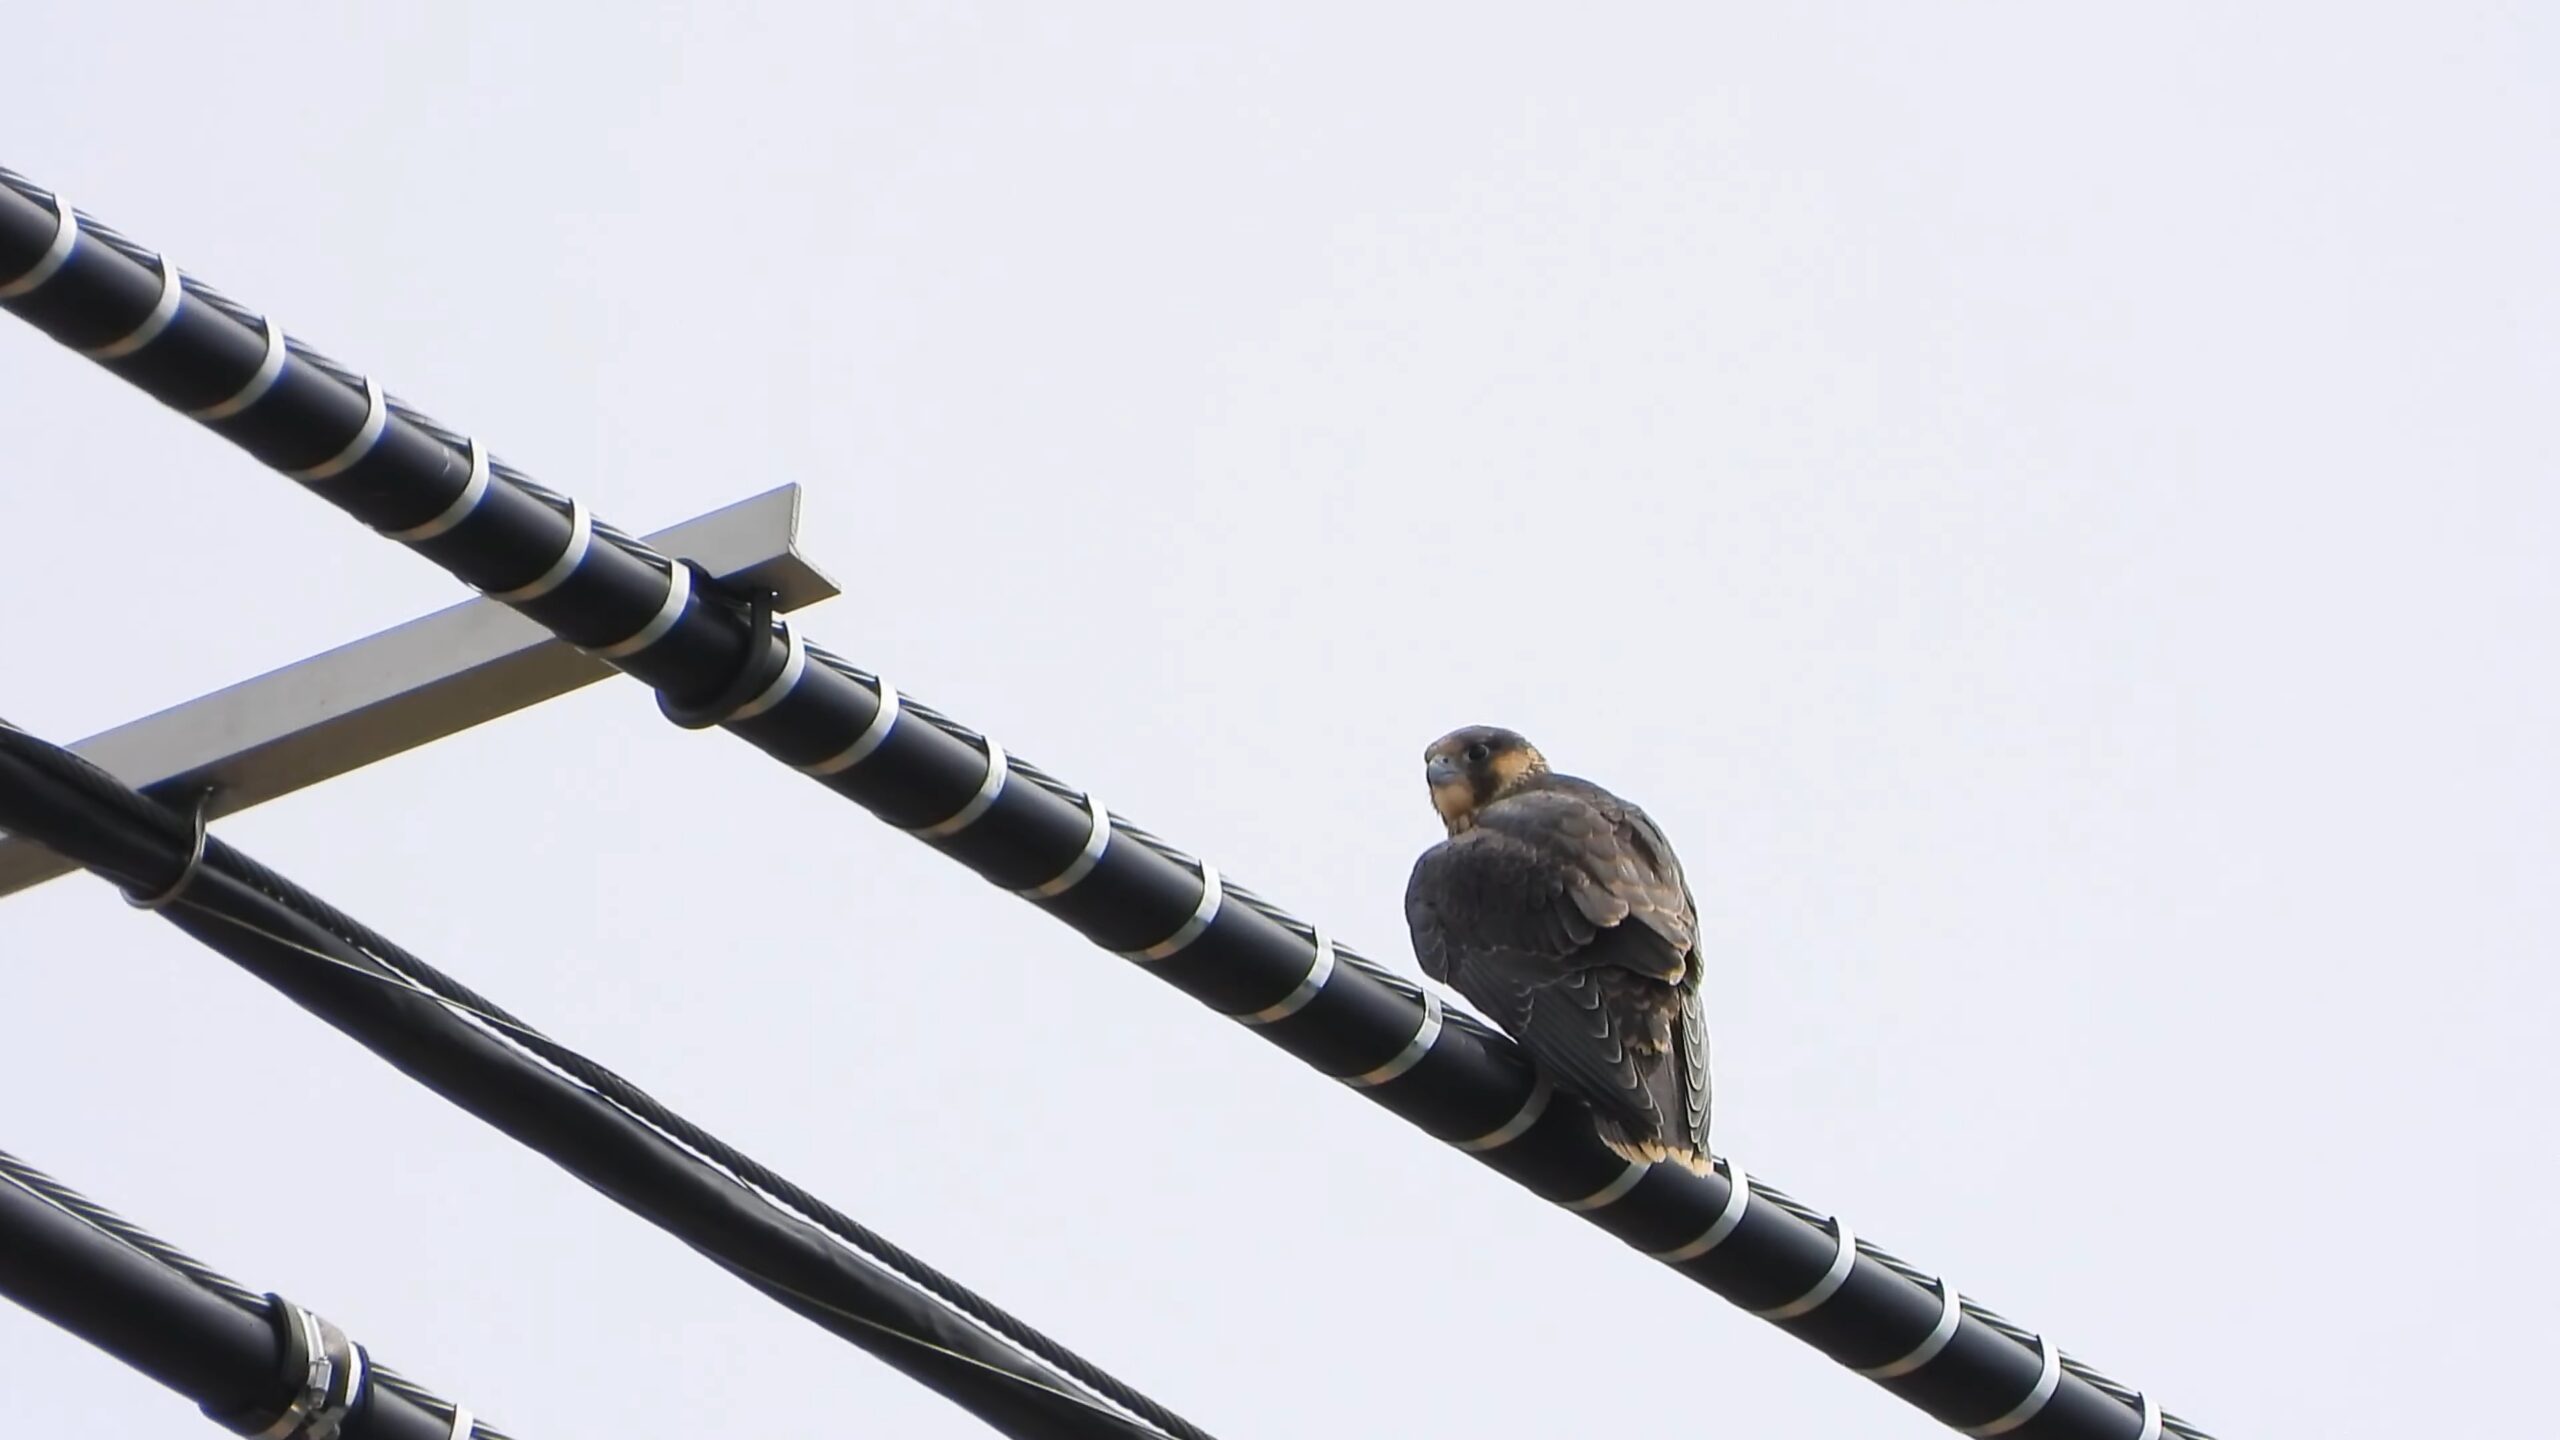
{"x": 1478, "y": 753}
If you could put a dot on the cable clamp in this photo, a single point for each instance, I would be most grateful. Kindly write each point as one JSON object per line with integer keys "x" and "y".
{"x": 760, "y": 667}
{"x": 187, "y": 875}
{"x": 328, "y": 1374}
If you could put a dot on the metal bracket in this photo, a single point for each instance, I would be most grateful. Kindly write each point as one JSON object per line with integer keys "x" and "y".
{"x": 409, "y": 685}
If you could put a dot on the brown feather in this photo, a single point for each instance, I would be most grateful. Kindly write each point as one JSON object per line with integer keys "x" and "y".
{"x": 1560, "y": 911}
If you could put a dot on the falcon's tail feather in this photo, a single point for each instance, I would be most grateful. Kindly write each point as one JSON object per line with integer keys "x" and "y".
{"x": 1649, "y": 1113}
{"x": 1636, "y": 1140}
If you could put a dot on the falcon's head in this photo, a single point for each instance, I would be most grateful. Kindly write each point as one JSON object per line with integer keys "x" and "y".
{"x": 1471, "y": 768}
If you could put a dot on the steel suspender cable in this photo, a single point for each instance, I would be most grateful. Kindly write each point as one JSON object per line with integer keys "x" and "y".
{"x": 476, "y": 1057}
{"x": 248, "y": 1361}
{"x": 719, "y": 659}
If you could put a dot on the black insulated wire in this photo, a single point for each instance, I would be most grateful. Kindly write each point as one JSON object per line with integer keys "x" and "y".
{"x": 243, "y": 1365}
{"x": 134, "y": 808}
{"x": 1121, "y": 888}
{"x": 49, "y": 795}
{"x": 107, "y": 1221}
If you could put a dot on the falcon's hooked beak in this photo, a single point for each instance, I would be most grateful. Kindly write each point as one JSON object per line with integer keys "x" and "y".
{"x": 1453, "y": 792}
{"x": 1471, "y": 768}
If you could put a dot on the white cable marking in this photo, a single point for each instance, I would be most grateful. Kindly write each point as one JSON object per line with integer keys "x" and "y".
{"x": 1842, "y": 1262}
{"x": 863, "y": 744}
{"x": 2048, "y": 1379}
{"x": 978, "y": 804}
{"x": 270, "y": 365}
{"x": 163, "y": 310}
{"x": 1950, "y": 1313}
{"x": 356, "y": 1366}
{"x": 1737, "y": 1199}
{"x": 66, "y": 233}
{"x": 1211, "y": 893}
{"x": 582, "y": 535}
{"x": 1615, "y": 1190}
{"x": 671, "y": 609}
{"x": 474, "y": 489}
{"x": 795, "y": 663}
{"x": 1518, "y": 1125}
{"x": 1414, "y": 1049}
{"x": 1319, "y": 970}
{"x": 1096, "y": 840}
{"x": 376, "y": 418}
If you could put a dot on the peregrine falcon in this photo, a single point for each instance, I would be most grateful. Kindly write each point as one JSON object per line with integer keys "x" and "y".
{"x": 1559, "y": 910}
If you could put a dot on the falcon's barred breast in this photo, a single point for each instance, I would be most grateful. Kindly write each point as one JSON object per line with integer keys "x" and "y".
{"x": 1559, "y": 910}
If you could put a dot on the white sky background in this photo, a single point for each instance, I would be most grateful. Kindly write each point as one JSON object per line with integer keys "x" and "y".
{"x": 2055, "y": 514}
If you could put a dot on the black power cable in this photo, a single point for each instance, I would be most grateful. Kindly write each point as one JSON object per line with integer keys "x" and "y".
{"x": 107, "y": 1222}
{"x": 228, "y": 903}
{"x": 244, "y": 1360}
{"x": 436, "y": 490}
{"x": 154, "y": 818}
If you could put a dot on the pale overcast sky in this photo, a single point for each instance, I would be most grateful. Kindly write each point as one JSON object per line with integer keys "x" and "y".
{"x": 2054, "y": 512}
